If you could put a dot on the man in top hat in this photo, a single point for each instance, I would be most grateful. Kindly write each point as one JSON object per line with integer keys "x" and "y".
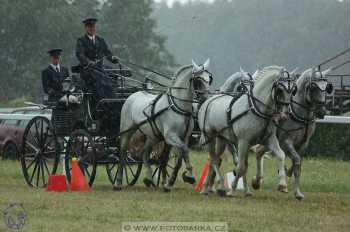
{"x": 53, "y": 76}
{"x": 92, "y": 48}
{"x": 90, "y": 51}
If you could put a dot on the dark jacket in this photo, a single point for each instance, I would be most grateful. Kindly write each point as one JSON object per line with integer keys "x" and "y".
{"x": 87, "y": 51}
{"x": 52, "y": 82}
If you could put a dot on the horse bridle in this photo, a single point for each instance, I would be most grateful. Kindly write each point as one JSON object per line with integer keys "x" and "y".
{"x": 171, "y": 98}
{"x": 309, "y": 107}
{"x": 291, "y": 88}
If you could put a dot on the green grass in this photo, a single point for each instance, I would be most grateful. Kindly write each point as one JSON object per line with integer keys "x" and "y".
{"x": 326, "y": 206}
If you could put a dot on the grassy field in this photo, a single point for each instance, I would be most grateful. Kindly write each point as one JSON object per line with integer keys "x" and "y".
{"x": 326, "y": 207}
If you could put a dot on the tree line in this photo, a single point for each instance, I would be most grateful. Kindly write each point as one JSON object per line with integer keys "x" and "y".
{"x": 29, "y": 28}
{"x": 255, "y": 33}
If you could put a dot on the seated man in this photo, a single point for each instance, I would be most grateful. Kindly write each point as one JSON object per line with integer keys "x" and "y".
{"x": 90, "y": 51}
{"x": 53, "y": 77}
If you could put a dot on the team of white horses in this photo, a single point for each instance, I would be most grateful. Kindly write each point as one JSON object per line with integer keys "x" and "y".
{"x": 273, "y": 108}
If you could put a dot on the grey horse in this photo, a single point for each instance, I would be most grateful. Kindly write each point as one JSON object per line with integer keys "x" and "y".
{"x": 167, "y": 117}
{"x": 244, "y": 122}
{"x": 295, "y": 133}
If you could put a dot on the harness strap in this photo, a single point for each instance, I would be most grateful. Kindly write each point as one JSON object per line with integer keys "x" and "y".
{"x": 176, "y": 108}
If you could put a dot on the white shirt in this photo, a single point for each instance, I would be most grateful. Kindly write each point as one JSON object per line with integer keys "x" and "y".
{"x": 55, "y": 67}
{"x": 92, "y": 38}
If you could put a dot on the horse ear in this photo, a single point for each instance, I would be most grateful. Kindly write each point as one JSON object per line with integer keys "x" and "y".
{"x": 294, "y": 71}
{"x": 241, "y": 69}
{"x": 255, "y": 73}
{"x": 313, "y": 70}
{"x": 196, "y": 68}
{"x": 327, "y": 71}
{"x": 206, "y": 64}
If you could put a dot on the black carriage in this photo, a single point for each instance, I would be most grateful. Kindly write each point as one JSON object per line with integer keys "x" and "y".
{"x": 77, "y": 130}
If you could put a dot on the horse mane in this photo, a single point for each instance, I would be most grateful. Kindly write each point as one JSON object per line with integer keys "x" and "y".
{"x": 181, "y": 69}
{"x": 304, "y": 78}
{"x": 266, "y": 71}
{"x": 231, "y": 82}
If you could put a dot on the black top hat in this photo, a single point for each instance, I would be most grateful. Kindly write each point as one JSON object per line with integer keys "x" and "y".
{"x": 90, "y": 21}
{"x": 54, "y": 52}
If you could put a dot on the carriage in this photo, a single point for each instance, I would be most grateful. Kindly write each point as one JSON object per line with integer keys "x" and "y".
{"x": 83, "y": 130}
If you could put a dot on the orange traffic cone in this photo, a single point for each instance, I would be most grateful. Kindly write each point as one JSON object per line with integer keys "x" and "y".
{"x": 203, "y": 176}
{"x": 57, "y": 183}
{"x": 78, "y": 182}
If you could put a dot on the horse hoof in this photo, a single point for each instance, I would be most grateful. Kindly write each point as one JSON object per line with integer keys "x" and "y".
{"x": 299, "y": 196}
{"x": 230, "y": 194}
{"x": 148, "y": 183}
{"x": 221, "y": 192}
{"x": 117, "y": 188}
{"x": 282, "y": 188}
{"x": 188, "y": 179}
{"x": 255, "y": 183}
{"x": 204, "y": 192}
{"x": 248, "y": 194}
{"x": 166, "y": 189}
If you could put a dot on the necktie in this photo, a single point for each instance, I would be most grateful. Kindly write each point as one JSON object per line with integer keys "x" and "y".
{"x": 57, "y": 70}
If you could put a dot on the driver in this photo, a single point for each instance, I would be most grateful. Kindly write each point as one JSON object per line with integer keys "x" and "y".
{"x": 90, "y": 51}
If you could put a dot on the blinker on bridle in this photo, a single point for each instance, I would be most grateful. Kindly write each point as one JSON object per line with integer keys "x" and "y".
{"x": 291, "y": 88}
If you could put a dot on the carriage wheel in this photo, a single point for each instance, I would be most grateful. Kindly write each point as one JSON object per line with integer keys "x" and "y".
{"x": 40, "y": 152}
{"x": 81, "y": 146}
{"x": 131, "y": 170}
{"x": 170, "y": 165}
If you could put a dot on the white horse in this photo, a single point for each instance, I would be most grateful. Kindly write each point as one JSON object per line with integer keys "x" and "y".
{"x": 167, "y": 117}
{"x": 246, "y": 121}
{"x": 295, "y": 133}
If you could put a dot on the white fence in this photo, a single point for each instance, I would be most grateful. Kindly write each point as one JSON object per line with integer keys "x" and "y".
{"x": 335, "y": 120}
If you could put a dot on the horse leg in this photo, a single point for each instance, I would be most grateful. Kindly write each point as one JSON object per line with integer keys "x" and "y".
{"x": 274, "y": 146}
{"x": 183, "y": 152}
{"x": 232, "y": 149}
{"x": 124, "y": 142}
{"x": 296, "y": 169}
{"x": 257, "y": 179}
{"x": 243, "y": 147}
{"x": 146, "y": 150}
{"x": 163, "y": 167}
{"x": 220, "y": 148}
{"x": 210, "y": 175}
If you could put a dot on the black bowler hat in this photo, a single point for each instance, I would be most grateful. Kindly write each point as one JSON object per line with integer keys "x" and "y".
{"x": 54, "y": 52}
{"x": 90, "y": 21}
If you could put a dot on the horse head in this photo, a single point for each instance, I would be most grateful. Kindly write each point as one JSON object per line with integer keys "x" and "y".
{"x": 282, "y": 91}
{"x": 201, "y": 79}
{"x": 316, "y": 88}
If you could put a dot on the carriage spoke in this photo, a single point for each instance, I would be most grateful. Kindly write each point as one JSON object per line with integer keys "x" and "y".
{"x": 126, "y": 175}
{"x": 42, "y": 132}
{"x": 35, "y": 140}
{"x": 43, "y": 173}
{"x": 132, "y": 172}
{"x": 33, "y": 173}
{"x": 47, "y": 169}
{"x": 32, "y": 146}
{"x": 38, "y": 175}
{"x": 116, "y": 175}
{"x": 31, "y": 163}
